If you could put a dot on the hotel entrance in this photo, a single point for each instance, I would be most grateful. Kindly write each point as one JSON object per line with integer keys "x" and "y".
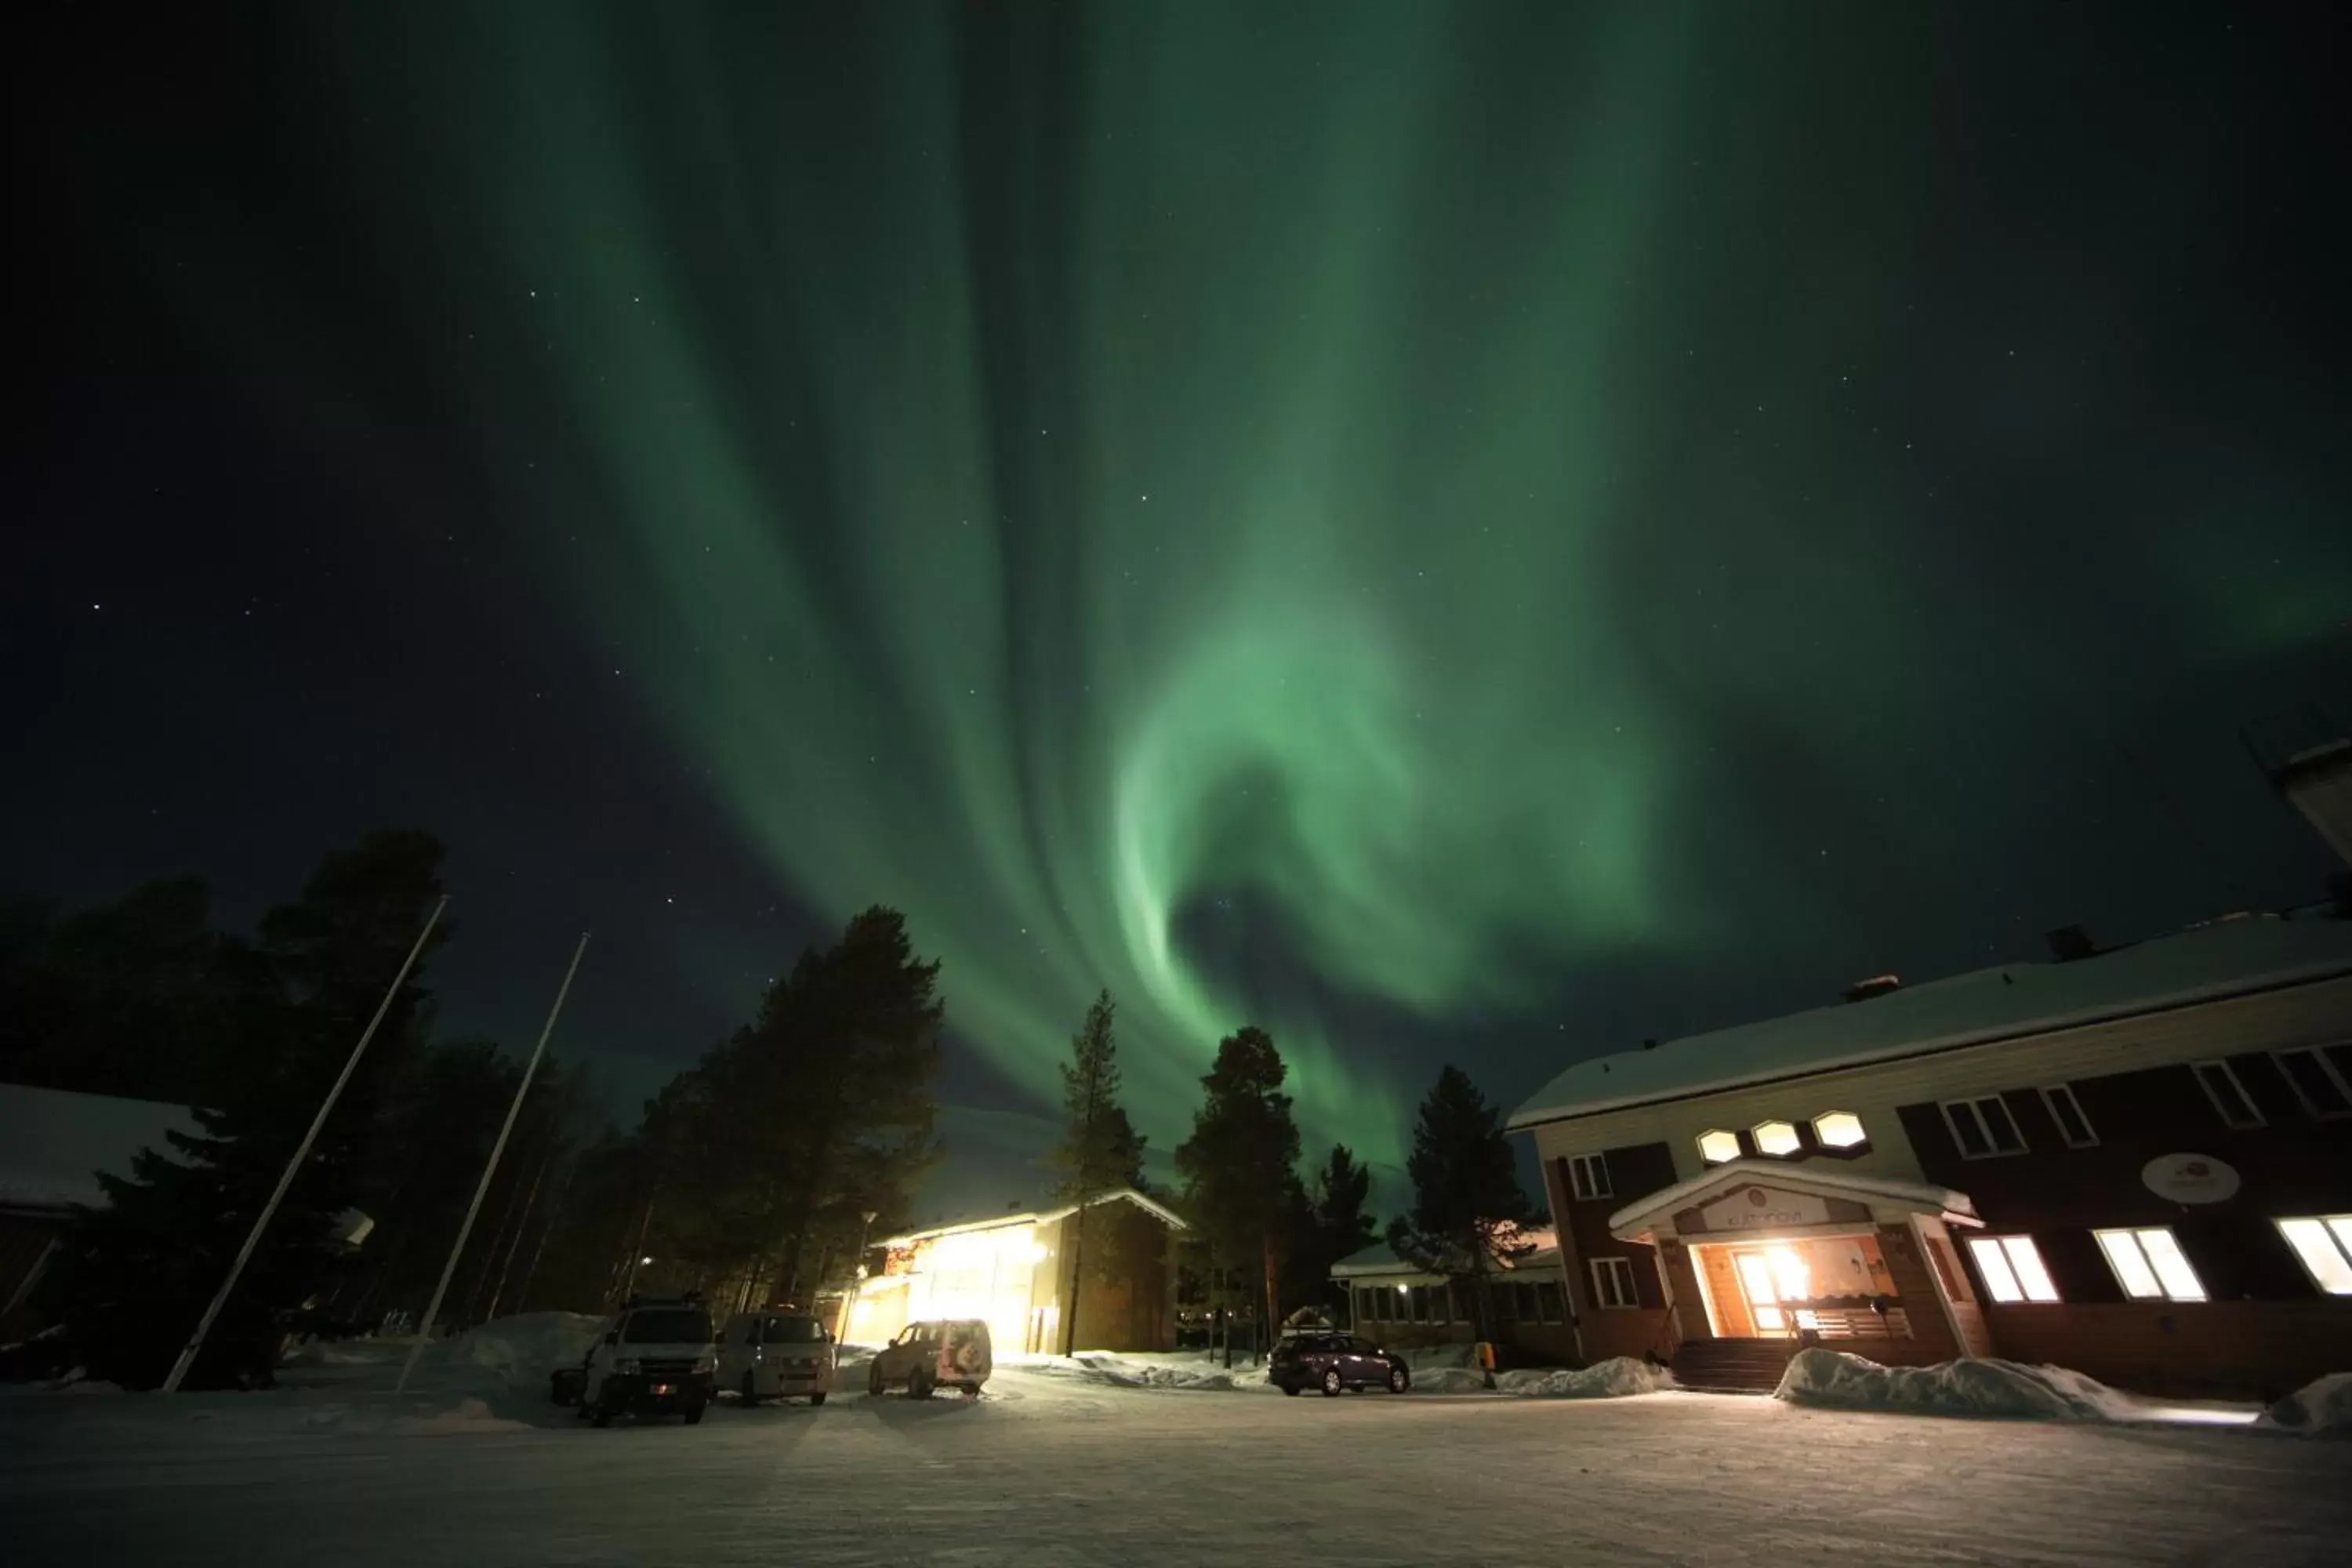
{"x": 1832, "y": 1288}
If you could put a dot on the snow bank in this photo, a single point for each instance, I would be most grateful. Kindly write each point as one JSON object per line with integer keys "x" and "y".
{"x": 1197, "y": 1369}
{"x": 512, "y": 1353}
{"x": 1615, "y": 1378}
{"x": 2320, "y": 1408}
{"x": 467, "y": 1418}
{"x": 1450, "y": 1380}
{"x": 1983, "y": 1388}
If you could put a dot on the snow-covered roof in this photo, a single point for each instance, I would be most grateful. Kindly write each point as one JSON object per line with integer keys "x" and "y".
{"x": 1381, "y": 1258}
{"x": 53, "y": 1143}
{"x": 2226, "y": 958}
{"x": 1042, "y": 1217}
{"x": 1819, "y": 1179}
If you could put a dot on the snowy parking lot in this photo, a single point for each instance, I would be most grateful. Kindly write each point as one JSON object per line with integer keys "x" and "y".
{"x": 1058, "y": 1466}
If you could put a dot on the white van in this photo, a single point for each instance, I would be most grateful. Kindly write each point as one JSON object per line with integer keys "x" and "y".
{"x": 776, "y": 1355}
{"x": 653, "y": 1359}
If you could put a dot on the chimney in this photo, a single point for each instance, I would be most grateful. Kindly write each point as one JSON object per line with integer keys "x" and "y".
{"x": 1876, "y": 986}
{"x": 2068, "y": 943}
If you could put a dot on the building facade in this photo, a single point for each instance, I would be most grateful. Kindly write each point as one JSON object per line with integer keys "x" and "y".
{"x": 2136, "y": 1163}
{"x": 1018, "y": 1271}
{"x": 1403, "y": 1307}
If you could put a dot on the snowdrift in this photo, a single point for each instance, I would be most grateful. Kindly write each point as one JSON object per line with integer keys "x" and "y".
{"x": 1616, "y": 1378}
{"x": 1196, "y": 1370}
{"x": 1999, "y": 1389}
{"x": 508, "y": 1354}
{"x": 2320, "y": 1408}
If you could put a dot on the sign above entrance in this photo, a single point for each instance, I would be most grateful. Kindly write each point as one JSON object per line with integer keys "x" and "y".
{"x": 2189, "y": 1178}
{"x": 1763, "y": 1208}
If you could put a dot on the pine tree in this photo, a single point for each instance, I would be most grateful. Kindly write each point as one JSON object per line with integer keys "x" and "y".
{"x": 1100, "y": 1150}
{"x": 1467, "y": 1202}
{"x": 1240, "y": 1164}
{"x": 130, "y": 1281}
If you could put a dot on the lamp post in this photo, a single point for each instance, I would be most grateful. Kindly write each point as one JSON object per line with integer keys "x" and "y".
{"x": 857, "y": 1279}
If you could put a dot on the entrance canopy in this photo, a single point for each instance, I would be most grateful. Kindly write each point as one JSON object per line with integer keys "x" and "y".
{"x": 1756, "y": 1197}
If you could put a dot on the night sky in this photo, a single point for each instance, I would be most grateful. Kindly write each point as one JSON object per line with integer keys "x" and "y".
{"x": 1454, "y": 532}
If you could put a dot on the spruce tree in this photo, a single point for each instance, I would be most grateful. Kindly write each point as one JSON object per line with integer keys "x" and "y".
{"x": 1100, "y": 1150}
{"x": 130, "y": 1281}
{"x": 1467, "y": 1202}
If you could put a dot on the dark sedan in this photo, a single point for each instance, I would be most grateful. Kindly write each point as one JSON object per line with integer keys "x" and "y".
{"x": 1333, "y": 1361}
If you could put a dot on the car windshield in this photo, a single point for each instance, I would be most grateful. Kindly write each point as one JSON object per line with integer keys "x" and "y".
{"x": 667, "y": 1326}
{"x": 794, "y": 1331}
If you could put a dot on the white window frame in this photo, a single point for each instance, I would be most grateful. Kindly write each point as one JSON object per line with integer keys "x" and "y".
{"x": 1588, "y": 1176}
{"x": 1859, "y": 1126}
{"x": 2219, "y": 1063}
{"x": 1612, "y": 1284}
{"x": 2140, "y": 1265}
{"x": 2318, "y": 1054}
{"x": 2050, "y": 1093}
{"x": 1796, "y": 1140}
{"x": 1706, "y": 1159}
{"x": 2012, "y": 1271}
{"x": 2335, "y": 1230}
{"x": 1984, "y": 1129}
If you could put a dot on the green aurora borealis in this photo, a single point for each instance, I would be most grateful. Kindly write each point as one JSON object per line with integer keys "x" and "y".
{"x": 1358, "y": 518}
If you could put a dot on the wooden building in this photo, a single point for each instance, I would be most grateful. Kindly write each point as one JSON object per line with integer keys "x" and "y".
{"x": 1018, "y": 1270}
{"x": 1400, "y": 1305}
{"x": 2135, "y": 1163}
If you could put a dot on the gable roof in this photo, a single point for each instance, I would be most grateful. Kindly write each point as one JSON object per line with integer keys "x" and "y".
{"x": 1820, "y": 1181}
{"x": 1041, "y": 1217}
{"x": 53, "y": 1143}
{"x": 2226, "y": 958}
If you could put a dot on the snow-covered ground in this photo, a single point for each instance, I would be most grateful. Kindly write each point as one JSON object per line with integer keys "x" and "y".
{"x": 1132, "y": 1460}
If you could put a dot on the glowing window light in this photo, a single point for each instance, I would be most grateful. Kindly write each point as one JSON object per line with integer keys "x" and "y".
{"x": 2012, "y": 1271}
{"x": 1715, "y": 1146}
{"x": 2150, "y": 1265}
{"x": 1776, "y": 1138}
{"x": 1839, "y": 1130}
{"x": 2325, "y": 1245}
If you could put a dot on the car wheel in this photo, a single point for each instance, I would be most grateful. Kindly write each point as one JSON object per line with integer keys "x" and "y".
{"x": 1399, "y": 1379}
{"x": 694, "y": 1415}
{"x": 815, "y": 1400}
{"x": 874, "y": 1379}
{"x": 972, "y": 1391}
{"x": 919, "y": 1382}
{"x": 600, "y": 1414}
{"x": 1289, "y": 1388}
{"x": 1331, "y": 1384}
{"x": 750, "y": 1392}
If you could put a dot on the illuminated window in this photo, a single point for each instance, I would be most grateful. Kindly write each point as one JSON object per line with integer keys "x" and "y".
{"x": 1612, "y": 1283}
{"x": 2231, "y": 1100}
{"x": 2319, "y": 1081}
{"x": 2150, "y": 1265}
{"x": 1776, "y": 1138}
{"x": 1839, "y": 1129}
{"x": 1982, "y": 1128}
{"x": 1587, "y": 1175}
{"x": 2012, "y": 1267}
{"x": 2067, "y": 1112}
{"x": 2325, "y": 1245}
{"x": 1716, "y": 1146}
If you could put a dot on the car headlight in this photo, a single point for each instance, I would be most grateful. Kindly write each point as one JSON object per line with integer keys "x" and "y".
{"x": 705, "y": 1363}
{"x": 627, "y": 1367}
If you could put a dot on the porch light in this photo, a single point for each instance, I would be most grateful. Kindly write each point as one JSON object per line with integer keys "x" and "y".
{"x": 1776, "y": 1138}
{"x": 1839, "y": 1130}
{"x": 1715, "y": 1146}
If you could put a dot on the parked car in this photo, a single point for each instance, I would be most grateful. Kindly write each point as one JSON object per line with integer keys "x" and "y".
{"x": 1333, "y": 1361}
{"x": 776, "y": 1355}
{"x": 654, "y": 1357}
{"x": 948, "y": 1353}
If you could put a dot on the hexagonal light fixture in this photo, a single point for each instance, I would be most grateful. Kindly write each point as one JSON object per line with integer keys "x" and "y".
{"x": 1839, "y": 1130}
{"x": 1715, "y": 1146}
{"x": 1776, "y": 1138}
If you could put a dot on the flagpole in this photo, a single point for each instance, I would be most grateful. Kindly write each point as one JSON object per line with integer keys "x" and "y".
{"x": 481, "y": 1189}
{"x": 286, "y": 1178}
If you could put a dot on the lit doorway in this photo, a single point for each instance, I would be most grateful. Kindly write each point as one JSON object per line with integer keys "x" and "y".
{"x": 1769, "y": 1278}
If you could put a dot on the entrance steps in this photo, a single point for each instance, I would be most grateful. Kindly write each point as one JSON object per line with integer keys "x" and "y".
{"x": 1733, "y": 1366}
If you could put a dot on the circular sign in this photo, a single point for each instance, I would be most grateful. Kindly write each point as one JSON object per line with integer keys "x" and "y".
{"x": 2189, "y": 1178}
